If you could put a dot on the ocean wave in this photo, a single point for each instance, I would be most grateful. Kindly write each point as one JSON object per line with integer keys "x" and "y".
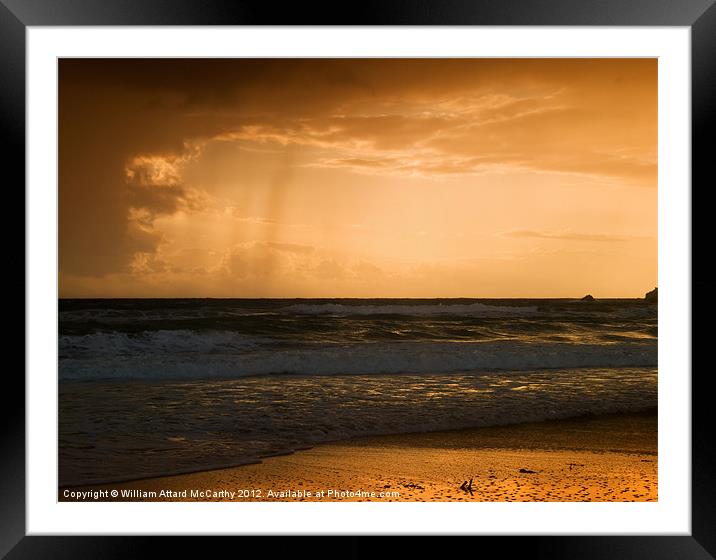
{"x": 183, "y": 354}
{"x": 162, "y": 427}
{"x": 108, "y": 345}
{"x": 456, "y": 310}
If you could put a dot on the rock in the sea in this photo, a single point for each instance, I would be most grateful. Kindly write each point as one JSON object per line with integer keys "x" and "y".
{"x": 652, "y": 296}
{"x": 588, "y": 297}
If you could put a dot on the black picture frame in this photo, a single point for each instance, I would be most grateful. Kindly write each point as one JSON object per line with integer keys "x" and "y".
{"x": 698, "y": 15}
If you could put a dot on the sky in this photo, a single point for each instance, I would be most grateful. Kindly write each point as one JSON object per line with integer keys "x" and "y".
{"x": 357, "y": 177}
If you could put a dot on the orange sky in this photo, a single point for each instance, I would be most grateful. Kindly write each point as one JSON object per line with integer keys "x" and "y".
{"x": 358, "y": 178}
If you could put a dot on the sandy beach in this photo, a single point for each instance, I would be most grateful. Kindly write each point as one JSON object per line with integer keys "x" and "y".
{"x": 597, "y": 458}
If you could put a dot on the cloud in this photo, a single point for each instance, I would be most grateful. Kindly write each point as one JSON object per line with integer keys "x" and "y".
{"x": 267, "y": 262}
{"x": 154, "y": 188}
{"x": 155, "y": 183}
{"x": 295, "y": 248}
{"x": 553, "y": 131}
{"x": 427, "y": 165}
{"x": 259, "y": 259}
{"x": 569, "y": 236}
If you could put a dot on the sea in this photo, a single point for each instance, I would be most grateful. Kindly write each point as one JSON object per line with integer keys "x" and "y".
{"x": 152, "y": 387}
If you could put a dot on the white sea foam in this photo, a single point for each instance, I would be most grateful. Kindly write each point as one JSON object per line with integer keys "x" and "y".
{"x": 184, "y": 354}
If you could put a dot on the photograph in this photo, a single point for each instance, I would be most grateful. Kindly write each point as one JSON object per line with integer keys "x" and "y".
{"x": 357, "y": 279}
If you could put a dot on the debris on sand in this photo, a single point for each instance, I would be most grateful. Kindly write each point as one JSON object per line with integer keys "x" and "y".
{"x": 465, "y": 487}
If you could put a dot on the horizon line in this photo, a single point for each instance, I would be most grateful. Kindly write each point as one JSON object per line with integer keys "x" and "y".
{"x": 346, "y": 297}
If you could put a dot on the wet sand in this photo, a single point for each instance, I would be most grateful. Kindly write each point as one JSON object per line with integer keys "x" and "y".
{"x": 600, "y": 458}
